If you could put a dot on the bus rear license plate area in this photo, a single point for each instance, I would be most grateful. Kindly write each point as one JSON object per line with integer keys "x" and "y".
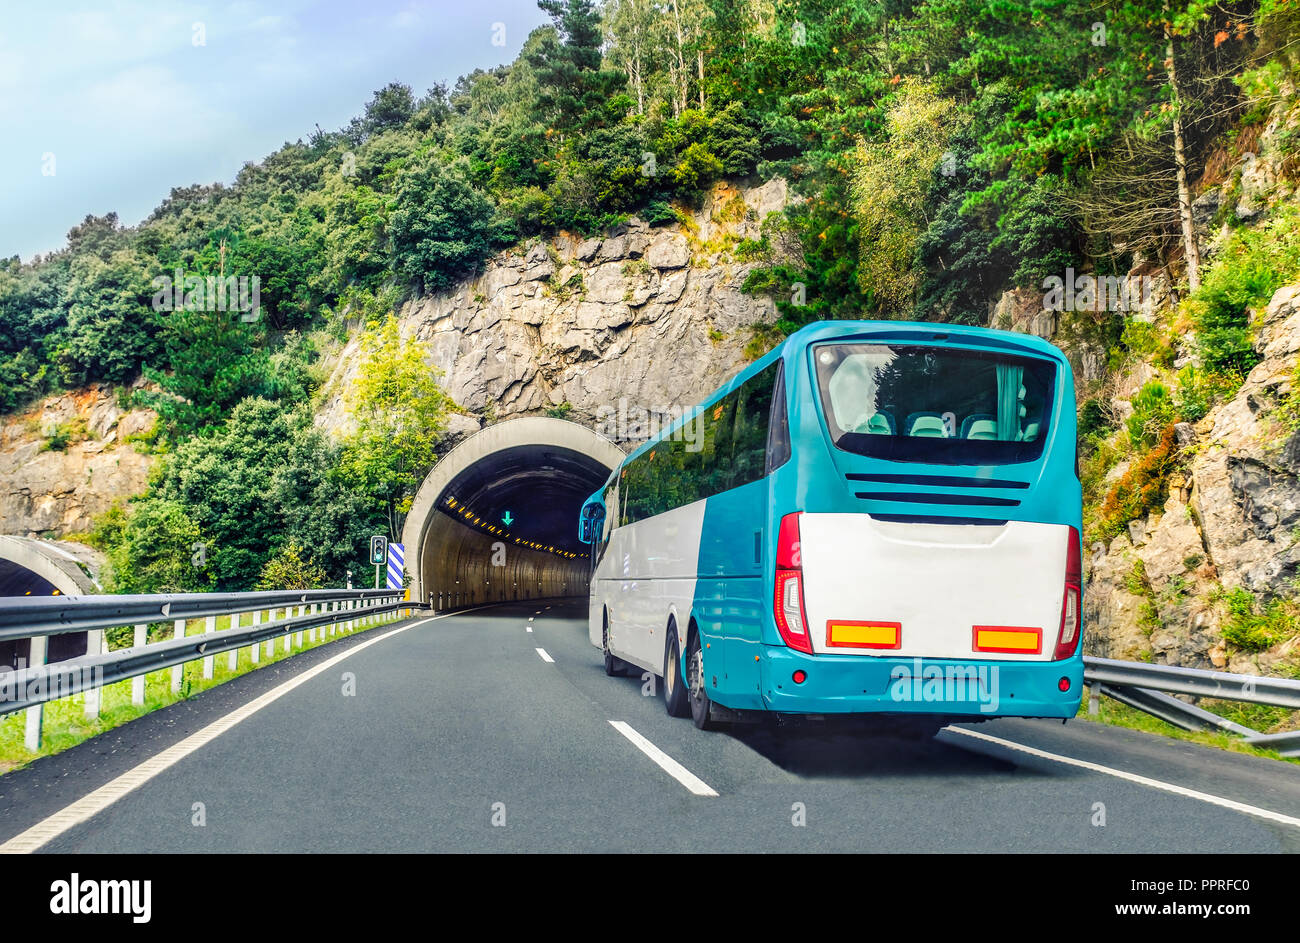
{"x": 849, "y": 634}
{"x": 1009, "y": 639}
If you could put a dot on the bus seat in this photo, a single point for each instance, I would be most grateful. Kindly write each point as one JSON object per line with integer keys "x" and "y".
{"x": 928, "y": 425}
{"x": 879, "y": 424}
{"x": 982, "y": 429}
{"x": 969, "y": 422}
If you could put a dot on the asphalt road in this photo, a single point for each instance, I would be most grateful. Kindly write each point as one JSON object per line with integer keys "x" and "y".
{"x": 460, "y": 736}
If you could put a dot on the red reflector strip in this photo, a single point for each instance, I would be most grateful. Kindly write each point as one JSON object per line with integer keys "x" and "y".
{"x": 846, "y": 634}
{"x": 1012, "y": 639}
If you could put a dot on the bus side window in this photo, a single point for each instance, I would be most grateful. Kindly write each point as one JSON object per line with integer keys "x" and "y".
{"x": 778, "y": 427}
{"x": 752, "y": 415}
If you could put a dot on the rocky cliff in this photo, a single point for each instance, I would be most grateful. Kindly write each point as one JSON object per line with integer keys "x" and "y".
{"x": 643, "y": 319}
{"x": 1161, "y": 589}
{"x": 67, "y": 459}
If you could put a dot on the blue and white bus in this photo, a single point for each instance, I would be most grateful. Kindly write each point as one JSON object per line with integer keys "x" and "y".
{"x": 876, "y": 517}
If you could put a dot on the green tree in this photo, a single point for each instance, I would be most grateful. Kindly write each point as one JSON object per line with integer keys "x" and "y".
{"x": 574, "y": 90}
{"x": 156, "y": 547}
{"x": 214, "y": 360}
{"x": 892, "y": 180}
{"x": 399, "y": 410}
{"x": 110, "y": 328}
{"x": 441, "y": 227}
{"x": 265, "y": 475}
{"x": 290, "y": 568}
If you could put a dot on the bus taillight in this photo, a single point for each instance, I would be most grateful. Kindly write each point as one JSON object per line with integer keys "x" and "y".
{"x": 788, "y": 602}
{"x": 1068, "y": 640}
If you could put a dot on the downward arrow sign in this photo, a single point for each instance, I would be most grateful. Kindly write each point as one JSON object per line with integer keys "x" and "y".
{"x": 507, "y": 519}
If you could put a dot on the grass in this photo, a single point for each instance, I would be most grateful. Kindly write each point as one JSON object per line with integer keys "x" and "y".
{"x": 1262, "y": 718}
{"x": 66, "y": 724}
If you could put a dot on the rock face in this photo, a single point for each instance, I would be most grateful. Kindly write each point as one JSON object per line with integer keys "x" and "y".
{"x": 58, "y": 491}
{"x": 643, "y": 318}
{"x": 1231, "y": 521}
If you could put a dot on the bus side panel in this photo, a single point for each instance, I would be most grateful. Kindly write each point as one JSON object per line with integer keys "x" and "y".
{"x": 647, "y": 575}
{"x": 731, "y": 597}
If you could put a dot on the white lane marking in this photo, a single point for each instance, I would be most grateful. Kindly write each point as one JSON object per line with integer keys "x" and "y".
{"x": 1135, "y": 778}
{"x": 545, "y": 657}
{"x": 530, "y": 618}
{"x": 670, "y": 766}
{"x": 529, "y": 628}
{"x": 100, "y": 799}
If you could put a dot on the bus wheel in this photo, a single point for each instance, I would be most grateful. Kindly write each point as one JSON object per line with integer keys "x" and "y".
{"x": 700, "y": 703}
{"x": 614, "y": 667}
{"x": 676, "y": 696}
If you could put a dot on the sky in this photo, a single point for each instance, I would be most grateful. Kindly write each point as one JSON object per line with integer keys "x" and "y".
{"x": 105, "y": 105}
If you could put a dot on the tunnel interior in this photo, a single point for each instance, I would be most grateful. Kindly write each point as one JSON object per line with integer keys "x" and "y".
{"x": 17, "y": 580}
{"x": 506, "y": 527}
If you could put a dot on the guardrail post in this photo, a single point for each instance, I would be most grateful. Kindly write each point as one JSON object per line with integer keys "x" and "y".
{"x": 288, "y": 636}
{"x": 236, "y": 621}
{"x": 255, "y": 649}
{"x": 178, "y": 671}
{"x": 1094, "y": 699}
{"x": 270, "y": 643}
{"x": 302, "y": 610}
{"x": 35, "y": 714}
{"x": 209, "y": 626}
{"x": 311, "y": 633}
{"x": 94, "y": 646}
{"x": 140, "y": 638}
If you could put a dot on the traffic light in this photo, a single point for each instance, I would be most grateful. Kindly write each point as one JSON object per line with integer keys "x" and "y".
{"x": 378, "y": 550}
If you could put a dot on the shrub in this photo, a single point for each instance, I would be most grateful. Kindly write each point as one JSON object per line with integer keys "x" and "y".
{"x": 1153, "y": 410}
{"x": 1143, "y": 488}
{"x": 1148, "y": 342}
{"x": 1197, "y": 391}
{"x": 1251, "y": 627}
{"x": 1253, "y": 265}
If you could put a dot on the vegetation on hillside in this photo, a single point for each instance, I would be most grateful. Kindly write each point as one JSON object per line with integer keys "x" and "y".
{"x": 946, "y": 150}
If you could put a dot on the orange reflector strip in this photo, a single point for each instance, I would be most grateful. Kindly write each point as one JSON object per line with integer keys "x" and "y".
{"x": 864, "y": 634}
{"x": 1015, "y": 639}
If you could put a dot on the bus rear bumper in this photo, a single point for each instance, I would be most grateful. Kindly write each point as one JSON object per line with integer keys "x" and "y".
{"x": 846, "y": 684}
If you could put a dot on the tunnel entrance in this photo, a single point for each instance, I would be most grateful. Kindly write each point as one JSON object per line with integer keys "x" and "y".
{"x": 497, "y": 517}
{"x": 31, "y": 567}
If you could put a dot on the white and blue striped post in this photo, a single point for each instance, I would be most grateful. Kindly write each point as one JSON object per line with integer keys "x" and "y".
{"x": 396, "y": 559}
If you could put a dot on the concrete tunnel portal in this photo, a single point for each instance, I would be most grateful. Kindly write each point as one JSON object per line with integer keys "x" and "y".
{"x": 497, "y": 517}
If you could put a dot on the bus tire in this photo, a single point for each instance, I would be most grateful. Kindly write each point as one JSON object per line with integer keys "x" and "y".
{"x": 676, "y": 694}
{"x": 699, "y": 697}
{"x": 614, "y": 667}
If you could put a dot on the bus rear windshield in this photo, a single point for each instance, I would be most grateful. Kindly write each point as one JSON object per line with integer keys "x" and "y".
{"x": 937, "y": 405}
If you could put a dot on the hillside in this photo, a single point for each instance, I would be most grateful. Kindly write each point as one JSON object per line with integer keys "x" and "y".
{"x": 627, "y": 212}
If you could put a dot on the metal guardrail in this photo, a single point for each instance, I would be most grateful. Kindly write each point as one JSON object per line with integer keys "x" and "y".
{"x": 32, "y": 686}
{"x": 25, "y": 617}
{"x": 1139, "y": 685}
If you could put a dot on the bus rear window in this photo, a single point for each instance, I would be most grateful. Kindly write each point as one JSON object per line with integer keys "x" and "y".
{"x": 931, "y": 404}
